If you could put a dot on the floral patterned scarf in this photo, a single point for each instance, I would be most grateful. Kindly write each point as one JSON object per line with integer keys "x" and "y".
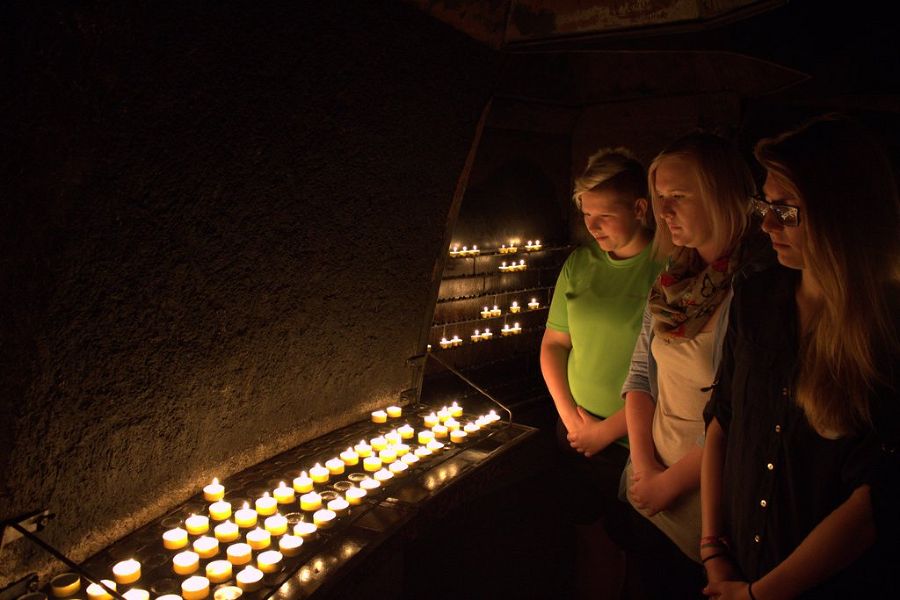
{"x": 687, "y": 293}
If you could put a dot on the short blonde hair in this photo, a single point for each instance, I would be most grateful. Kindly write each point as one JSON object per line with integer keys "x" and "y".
{"x": 726, "y": 188}
{"x": 617, "y": 170}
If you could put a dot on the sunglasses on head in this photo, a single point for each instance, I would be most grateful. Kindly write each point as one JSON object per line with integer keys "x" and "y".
{"x": 787, "y": 216}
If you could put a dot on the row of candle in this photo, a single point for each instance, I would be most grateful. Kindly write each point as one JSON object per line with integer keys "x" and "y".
{"x": 514, "y": 266}
{"x": 530, "y": 246}
{"x": 488, "y": 313}
{"x": 480, "y": 336}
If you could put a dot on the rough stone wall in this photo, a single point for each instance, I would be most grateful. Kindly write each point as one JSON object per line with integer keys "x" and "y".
{"x": 220, "y": 223}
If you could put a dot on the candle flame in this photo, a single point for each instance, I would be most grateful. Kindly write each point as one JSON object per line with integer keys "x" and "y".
{"x": 246, "y": 505}
{"x": 265, "y": 494}
{"x": 281, "y": 485}
{"x": 215, "y": 481}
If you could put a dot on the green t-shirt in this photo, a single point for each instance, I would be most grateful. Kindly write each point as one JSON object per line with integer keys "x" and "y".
{"x": 599, "y": 302}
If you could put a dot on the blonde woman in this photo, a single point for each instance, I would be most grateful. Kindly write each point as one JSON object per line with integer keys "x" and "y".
{"x": 701, "y": 191}
{"x": 801, "y": 472}
{"x": 593, "y": 321}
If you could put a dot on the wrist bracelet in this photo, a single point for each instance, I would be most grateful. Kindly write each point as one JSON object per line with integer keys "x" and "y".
{"x": 712, "y": 556}
{"x": 750, "y": 591}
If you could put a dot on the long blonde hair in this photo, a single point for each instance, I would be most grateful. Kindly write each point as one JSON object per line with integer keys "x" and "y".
{"x": 852, "y": 219}
{"x": 726, "y": 188}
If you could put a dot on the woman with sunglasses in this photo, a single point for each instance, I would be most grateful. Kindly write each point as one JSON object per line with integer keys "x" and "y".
{"x": 800, "y": 468}
{"x": 701, "y": 190}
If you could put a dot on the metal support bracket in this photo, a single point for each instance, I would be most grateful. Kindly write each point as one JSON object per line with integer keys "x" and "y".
{"x": 32, "y": 522}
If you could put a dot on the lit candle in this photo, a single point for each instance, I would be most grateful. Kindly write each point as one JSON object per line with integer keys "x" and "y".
{"x": 239, "y": 554}
{"x": 65, "y": 584}
{"x": 503, "y": 268}
{"x": 514, "y": 307}
{"x": 537, "y": 244}
{"x": 127, "y": 571}
{"x": 269, "y": 561}
{"x": 476, "y": 336}
{"x": 383, "y": 475}
{"x": 214, "y": 492}
{"x": 496, "y": 312}
{"x": 444, "y": 344}
{"x": 185, "y": 563}
{"x": 220, "y": 510}
{"x": 96, "y": 592}
{"x": 363, "y": 449}
{"x": 458, "y": 436}
{"x": 425, "y": 436}
{"x": 454, "y": 251}
{"x": 355, "y": 495}
{"x": 311, "y": 501}
{"x": 493, "y": 416}
{"x": 486, "y": 313}
{"x": 319, "y": 474}
{"x": 516, "y": 328}
{"x": 196, "y": 524}
{"x": 323, "y": 518}
{"x": 245, "y": 517}
{"x": 379, "y": 416}
{"x": 267, "y": 505}
{"x": 423, "y": 451}
{"x": 388, "y": 455}
{"x": 226, "y": 532}
{"x": 169, "y": 597}
{"x": 503, "y": 249}
{"x": 249, "y": 579}
{"x": 394, "y": 412}
{"x": 513, "y": 246}
{"x": 398, "y": 468}
{"x": 481, "y": 421}
{"x": 335, "y": 466}
{"x": 434, "y": 445}
{"x": 475, "y": 251}
{"x": 284, "y": 494}
{"x": 338, "y": 505}
{"x": 486, "y": 335}
{"x": 440, "y": 431}
{"x": 471, "y": 428}
{"x": 218, "y": 571}
{"x": 369, "y": 484}
{"x": 259, "y": 539}
{"x": 392, "y": 437}
{"x": 303, "y": 483}
{"x": 175, "y": 539}
{"x": 455, "y": 341}
{"x": 136, "y": 594}
{"x": 505, "y": 331}
{"x": 534, "y": 304}
{"x": 276, "y": 525}
{"x": 452, "y": 424}
{"x": 521, "y": 266}
{"x": 289, "y": 545}
{"x": 406, "y": 432}
{"x": 431, "y": 420}
{"x": 371, "y": 464}
{"x": 350, "y": 457}
{"x": 206, "y": 546}
{"x": 443, "y": 414}
{"x": 401, "y": 449}
{"x": 304, "y": 529}
{"x": 410, "y": 459}
{"x": 456, "y": 410}
{"x": 195, "y": 588}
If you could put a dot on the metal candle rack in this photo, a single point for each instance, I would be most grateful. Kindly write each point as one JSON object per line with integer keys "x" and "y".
{"x": 353, "y": 535}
